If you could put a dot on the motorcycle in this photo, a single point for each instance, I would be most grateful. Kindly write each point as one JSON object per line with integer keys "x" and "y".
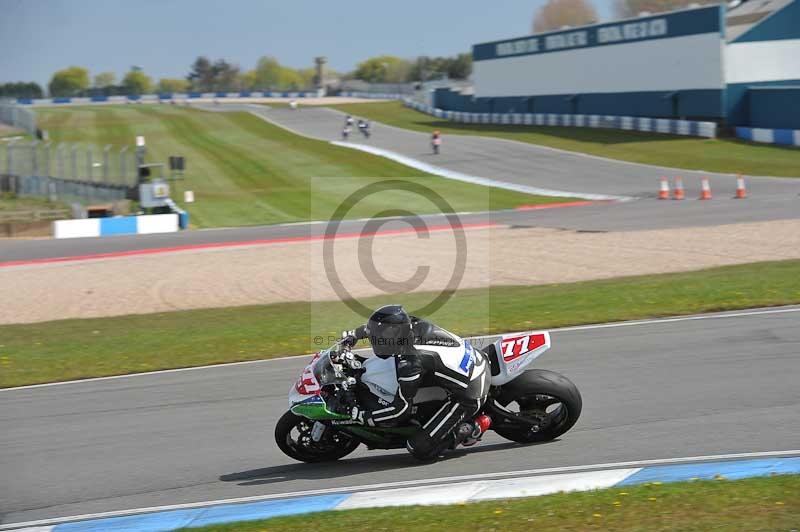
{"x": 525, "y": 405}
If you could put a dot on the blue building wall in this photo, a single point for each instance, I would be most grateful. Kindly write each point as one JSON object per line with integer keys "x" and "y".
{"x": 673, "y": 104}
{"x": 774, "y": 107}
{"x": 783, "y": 24}
{"x": 738, "y": 103}
{"x": 743, "y": 104}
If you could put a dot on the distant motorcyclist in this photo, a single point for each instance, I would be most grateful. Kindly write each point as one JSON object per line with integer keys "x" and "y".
{"x": 436, "y": 141}
{"x": 426, "y": 355}
{"x": 363, "y": 127}
{"x": 348, "y": 121}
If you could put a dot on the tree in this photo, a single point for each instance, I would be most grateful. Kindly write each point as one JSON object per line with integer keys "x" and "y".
{"x": 201, "y": 75}
{"x": 21, "y": 89}
{"x": 460, "y": 67}
{"x": 225, "y": 76}
{"x": 632, "y": 8}
{"x": 383, "y": 69}
{"x": 425, "y": 68}
{"x": 137, "y": 82}
{"x": 172, "y": 85}
{"x": 247, "y": 80}
{"x": 69, "y": 81}
{"x": 104, "y": 79}
{"x": 269, "y": 74}
{"x": 556, "y": 14}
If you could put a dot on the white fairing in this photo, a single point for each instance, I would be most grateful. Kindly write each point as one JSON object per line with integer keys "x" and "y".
{"x": 515, "y": 352}
{"x": 380, "y": 376}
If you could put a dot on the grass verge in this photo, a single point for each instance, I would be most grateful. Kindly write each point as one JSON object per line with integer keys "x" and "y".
{"x": 23, "y": 208}
{"x": 754, "y": 504}
{"x": 76, "y": 349}
{"x": 245, "y": 171}
{"x": 726, "y": 155}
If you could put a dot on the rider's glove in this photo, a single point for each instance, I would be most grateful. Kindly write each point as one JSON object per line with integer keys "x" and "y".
{"x": 357, "y": 415}
{"x": 349, "y": 338}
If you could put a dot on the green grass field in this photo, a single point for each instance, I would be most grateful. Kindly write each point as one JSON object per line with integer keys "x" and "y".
{"x": 245, "y": 171}
{"x": 76, "y": 349}
{"x": 754, "y": 504}
{"x": 713, "y": 155}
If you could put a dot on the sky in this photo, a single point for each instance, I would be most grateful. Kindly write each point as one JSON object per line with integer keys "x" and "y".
{"x": 38, "y": 37}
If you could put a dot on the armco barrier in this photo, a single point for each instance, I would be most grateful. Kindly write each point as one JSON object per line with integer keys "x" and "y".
{"x": 373, "y": 95}
{"x": 631, "y": 123}
{"x": 175, "y": 96}
{"x": 786, "y": 137}
{"x": 118, "y": 225}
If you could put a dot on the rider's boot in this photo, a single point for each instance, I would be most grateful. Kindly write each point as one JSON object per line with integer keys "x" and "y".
{"x": 469, "y": 433}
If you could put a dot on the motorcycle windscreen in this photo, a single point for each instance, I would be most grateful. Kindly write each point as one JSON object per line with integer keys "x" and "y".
{"x": 319, "y": 372}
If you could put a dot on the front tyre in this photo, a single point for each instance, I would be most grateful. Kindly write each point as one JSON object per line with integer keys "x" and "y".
{"x": 548, "y": 399}
{"x": 293, "y": 436}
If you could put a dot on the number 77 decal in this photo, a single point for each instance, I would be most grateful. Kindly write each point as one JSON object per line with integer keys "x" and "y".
{"x": 516, "y": 346}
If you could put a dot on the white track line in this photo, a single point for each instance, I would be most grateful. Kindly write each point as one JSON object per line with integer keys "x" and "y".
{"x": 421, "y": 482}
{"x": 476, "y": 180}
{"x": 656, "y": 321}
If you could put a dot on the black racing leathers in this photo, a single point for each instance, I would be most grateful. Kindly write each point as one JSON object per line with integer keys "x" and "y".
{"x": 421, "y": 365}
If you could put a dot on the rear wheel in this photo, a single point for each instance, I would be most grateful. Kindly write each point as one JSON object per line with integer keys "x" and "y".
{"x": 293, "y": 436}
{"x": 548, "y": 402}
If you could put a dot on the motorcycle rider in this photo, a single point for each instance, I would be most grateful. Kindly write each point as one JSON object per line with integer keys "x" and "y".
{"x": 427, "y": 355}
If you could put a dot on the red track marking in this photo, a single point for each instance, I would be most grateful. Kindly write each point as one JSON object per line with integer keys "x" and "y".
{"x": 555, "y": 205}
{"x": 260, "y": 242}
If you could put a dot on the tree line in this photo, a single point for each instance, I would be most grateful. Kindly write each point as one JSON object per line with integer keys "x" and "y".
{"x": 206, "y": 75}
{"x": 556, "y": 14}
{"x": 21, "y": 89}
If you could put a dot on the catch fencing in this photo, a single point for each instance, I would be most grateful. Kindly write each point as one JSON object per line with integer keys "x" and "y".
{"x": 67, "y": 171}
{"x": 18, "y": 117}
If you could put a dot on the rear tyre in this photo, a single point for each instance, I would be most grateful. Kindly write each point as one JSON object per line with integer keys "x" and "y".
{"x": 293, "y": 436}
{"x": 544, "y": 396}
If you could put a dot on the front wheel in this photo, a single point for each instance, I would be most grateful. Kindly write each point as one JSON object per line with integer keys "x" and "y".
{"x": 293, "y": 436}
{"x": 548, "y": 402}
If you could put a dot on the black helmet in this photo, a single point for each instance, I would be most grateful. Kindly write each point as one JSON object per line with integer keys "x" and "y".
{"x": 389, "y": 331}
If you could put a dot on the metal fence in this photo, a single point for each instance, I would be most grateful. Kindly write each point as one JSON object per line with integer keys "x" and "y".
{"x": 18, "y": 117}
{"x": 67, "y": 171}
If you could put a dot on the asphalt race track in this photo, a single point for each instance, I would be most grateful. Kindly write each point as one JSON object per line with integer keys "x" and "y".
{"x": 672, "y": 388}
{"x": 512, "y": 162}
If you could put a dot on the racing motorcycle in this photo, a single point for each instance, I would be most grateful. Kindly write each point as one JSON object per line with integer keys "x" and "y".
{"x": 525, "y": 405}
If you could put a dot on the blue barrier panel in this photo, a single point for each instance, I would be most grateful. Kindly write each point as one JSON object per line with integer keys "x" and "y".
{"x": 244, "y": 94}
{"x": 195, "y": 95}
{"x": 783, "y": 136}
{"x": 221, "y": 94}
{"x": 24, "y": 101}
{"x": 62, "y": 99}
{"x": 123, "y": 225}
{"x": 134, "y": 97}
{"x": 165, "y": 96}
{"x": 100, "y": 98}
{"x": 744, "y": 133}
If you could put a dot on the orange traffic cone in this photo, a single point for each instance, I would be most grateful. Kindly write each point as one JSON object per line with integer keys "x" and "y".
{"x": 678, "y": 193}
{"x": 705, "y": 191}
{"x": 741, "y": 192}
{"x": 663, "y": 193}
